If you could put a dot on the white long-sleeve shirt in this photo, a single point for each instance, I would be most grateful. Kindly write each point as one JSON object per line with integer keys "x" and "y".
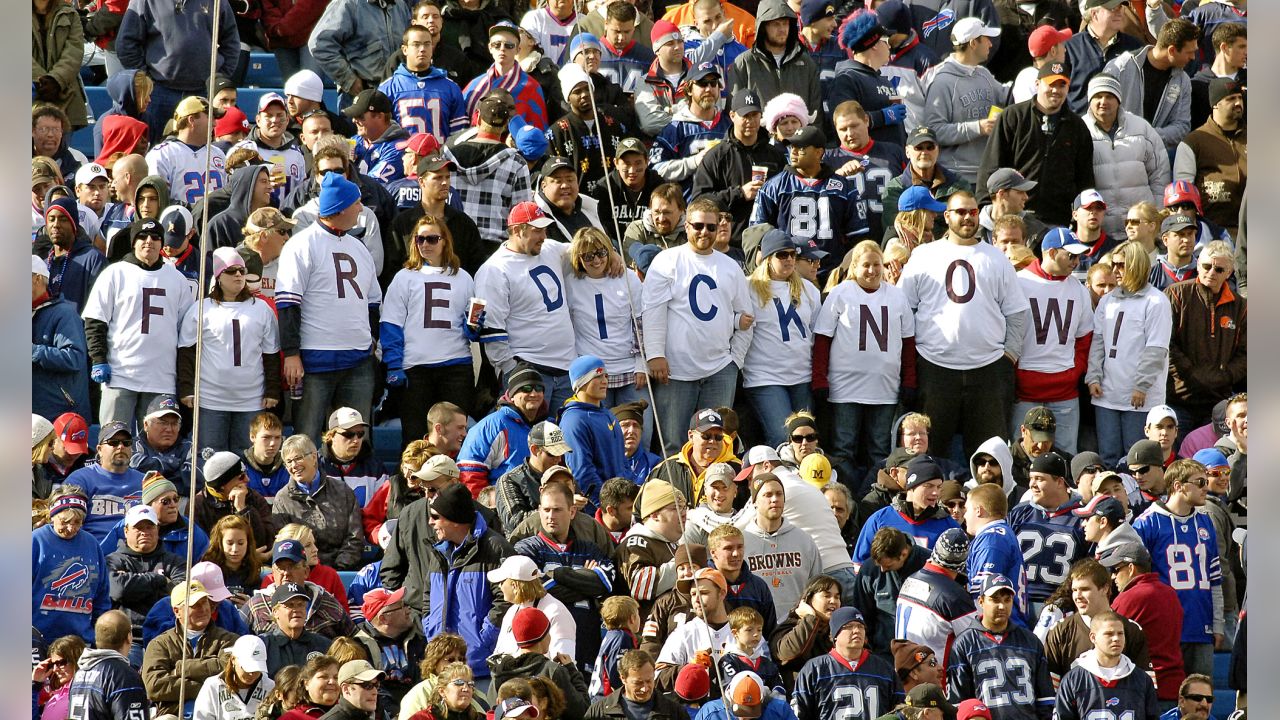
{"x": 525, "y": 297}
{"x": 691, "y": 304}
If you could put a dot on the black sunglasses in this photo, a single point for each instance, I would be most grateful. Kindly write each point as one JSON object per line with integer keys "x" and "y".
{"x": 534, "y": 388}
{"x": 813, "y": 437}
{"x": 234, "y": 270}
{"x": 430, "y": 239}
{"x": 1197, "y": 697}
{"x": 712, "y": 82}
{"x": 1140, "y": 470}
{"x": 716, "y": 437}
{"x": 785, "y": 254}
{"x": 704, "y": 227}
{"x": 1209, "y": 267}
{"x": 118, "y": 442}
{"x": 597, "y": 255}
{"x": 352, "y": 434}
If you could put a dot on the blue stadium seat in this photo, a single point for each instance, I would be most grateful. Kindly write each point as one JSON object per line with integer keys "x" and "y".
{"x": 1221, "y": 669}
{"x": 1224, "y": 702}
{"x": 263, "y": 71}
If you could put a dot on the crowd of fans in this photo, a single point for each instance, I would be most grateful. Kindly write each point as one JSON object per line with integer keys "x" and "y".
{"x": 781, "y": 359}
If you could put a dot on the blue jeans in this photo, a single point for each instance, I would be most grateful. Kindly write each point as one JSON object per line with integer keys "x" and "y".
{"x": 1065, "y": 412}
{"x": 849, "y": 421}
{"x": 291, "y": 60}
{"x": 774, "y": 403}
{"x": 1118, "y": 430}
{"x": 224, "y": 429}
{"x": 126, "y": 406}
{"x": 631, "y": 393}
{"x": 164, "y": 100}
{"x": 324, "y": 392}
{"x": 678, "y": 400}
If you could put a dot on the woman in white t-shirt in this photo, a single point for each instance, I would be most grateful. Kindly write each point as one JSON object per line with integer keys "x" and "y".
{"x": 239, "y": 361}
{"x": 521, "y": 583}
{"x": 865, "y": 348}
{"x": 778, "y": 367}
{"x": 425, "y": 342}
{"x": 237, "y": 691}
{"x": 1129, "y": 357}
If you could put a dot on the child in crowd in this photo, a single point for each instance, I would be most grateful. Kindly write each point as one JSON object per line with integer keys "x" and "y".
{"x": 621, "y": 616}
{"x": 749, "y": 651}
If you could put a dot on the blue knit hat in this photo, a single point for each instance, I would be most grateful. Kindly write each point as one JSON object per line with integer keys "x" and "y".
{"x": 584, "y": 369}
{"x": 337, "y": 194}
{"x": 583, "y": 41}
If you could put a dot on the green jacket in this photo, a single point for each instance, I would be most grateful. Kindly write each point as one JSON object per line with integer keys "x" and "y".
{"x": 57, "y": 49}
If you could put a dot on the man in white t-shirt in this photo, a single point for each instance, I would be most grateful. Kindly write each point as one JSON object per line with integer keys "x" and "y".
{"x": 710, "y": 622}
{"x": 971, "y": 321}
{"x": 131, "y": 324}
{"x": 327, "y": 297}
{"x": 697, "y": 324}
{"x": 526, "y": 316}
{"x": 1055, "y": 353}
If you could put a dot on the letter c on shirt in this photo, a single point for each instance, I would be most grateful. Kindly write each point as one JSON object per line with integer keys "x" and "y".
{"x": 698, "y": 312}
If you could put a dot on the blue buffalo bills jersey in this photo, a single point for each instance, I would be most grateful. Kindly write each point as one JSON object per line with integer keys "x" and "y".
{"x": 1007, "y": 671}
{"x": 1051, "y": 541}
{"x": 826, "y": 209}
{"x": 1184, "y": 551}
{"x": 933, "y": 610}
{"x": 830, "y": 686}
{"x": 884, "y": 161}
{"x": 686, "y": 136}
{"x": 381, "y": 159}
{"x": 995, "y": 551}
{"x": 924, "y": 531}
{"x": 1085, "y": 695}
{"x": 429, "y": 102}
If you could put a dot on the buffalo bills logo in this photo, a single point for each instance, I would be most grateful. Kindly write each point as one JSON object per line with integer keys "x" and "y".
{"x": 1112, "y": 701}
{"x": 941, "y": 21}
{"x": 73, "y": 579}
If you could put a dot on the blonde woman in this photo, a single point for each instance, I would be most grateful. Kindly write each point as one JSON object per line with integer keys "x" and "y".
{"x": 320, "y": 574}
{"x": 425, "y": 340}
{"x": 1142, "y": 225}
{"x": 241, "y": 687}
{"x": 265, "y": 232}
{"x": 1129, "y": 358}
{"x": 605, "y": 312}
{"x": 455, "y": 694}
{"x": 42, "y": 438}
{"x": 777, "y": 369}
{"x": 442, "y": 651}
{"x": 521, "y": 583}
{"x": 865, "y": 348}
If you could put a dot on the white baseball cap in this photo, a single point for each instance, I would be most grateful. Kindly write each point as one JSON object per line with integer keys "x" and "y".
{"x": 515, "y": 567}
{"x": 971, "y": 28}
{"x": 38, "y": 267}
{"x": 345, "y": 418}
{"x": 90, "y": 171}
{"x": 1160, "y": 412}
{"x": 306, "y": 85}
{"x": 138, "y": 513}
{"x": 250, "y": 653}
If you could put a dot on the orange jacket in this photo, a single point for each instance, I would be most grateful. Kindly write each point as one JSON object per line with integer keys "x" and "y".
{"x": 744, "y": 23}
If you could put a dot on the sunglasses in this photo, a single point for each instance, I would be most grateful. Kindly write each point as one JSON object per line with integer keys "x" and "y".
{"x": 60, "y": 662}
{"x": 811, "y": 437}
{"x": 597, "y": 255}
{"x": 1196, "y": 697}
{"x": 525, "y": 389}
{"x": 1093, "y": 469}
{"x": 1208, "y": 267}
{"x": 118, "y": 442}
{"x": 1217, "y": 473}
{"x": 715, "y": 437}
{"x": 927, "y": 147}
{"x": 501, "y": 45}
{"x": 985, "y": 462}
{"x": 1199, "y": 482}
{"x": 965, "y": 212}
{"x": 369, "y": 685}
{"x": 1129, "y": 222}
{"x": 1182, "y": 206}
{"x": 352, "y": 434}
{"x": 459, "y": 682}
{"x": 708, "y": 83}
{"x": 1140, "y": 470}
{"x": 786, "y": 255}
{"x": 234, "y": 270}
{"x": 703, "y": 227}
{"x": 430, "y": 239}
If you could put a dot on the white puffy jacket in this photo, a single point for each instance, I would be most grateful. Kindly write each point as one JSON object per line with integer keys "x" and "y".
{"x": 1129, "y": 166}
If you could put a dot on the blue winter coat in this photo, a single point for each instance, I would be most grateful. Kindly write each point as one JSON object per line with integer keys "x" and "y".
{"x": 59, "y": 360}
{"x": 72, "y": 275}
{"x": 493, "y": 446}
{"x": 595, "y": 437}
{"x": 460, "y": 597}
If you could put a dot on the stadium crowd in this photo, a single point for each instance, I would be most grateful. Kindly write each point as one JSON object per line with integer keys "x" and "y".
{"x": 798, "y": 359}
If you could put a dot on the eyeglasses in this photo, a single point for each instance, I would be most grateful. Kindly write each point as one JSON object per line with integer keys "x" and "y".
{"x": 1209, "y": 267}
{"x": 1140, "y": 470}
{"x": 502, "y": 45}
{"x": 811, "y": 437}
{"x": 430, "y": 239}
{"x": 703, "y": 227}
{"x": 786, "y": 255}
{"x": 713, "y": 437}
{"x": 352, "y": 434}
{"x": 167, "y": 501}
{"x": 459, "y": 682}
{"x": 964, "y": 212}
{"x": 118, "y": 442}
{"x": 533, "y": 388}
{"x": 597, "y": 255}
{"x": 297, "y": 460}
{"x": 1197, "y": 697}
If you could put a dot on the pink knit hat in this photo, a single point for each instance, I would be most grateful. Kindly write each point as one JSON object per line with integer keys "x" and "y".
{"x": 225, "y": 257}
{"x": 783, "y": 105}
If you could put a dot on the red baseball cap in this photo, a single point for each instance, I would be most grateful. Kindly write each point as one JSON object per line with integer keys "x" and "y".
{"x": 972, "y": 709}
{"x": 378, "y": 599}
{"x": 233, "y": 120}
{"x": 423, "y": 143}
{"x": 73, "y": 431}
{"x": 528, "y": 213}
{"x": 1044, "y": 38}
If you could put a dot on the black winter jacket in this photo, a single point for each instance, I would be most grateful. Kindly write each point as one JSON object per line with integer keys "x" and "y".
{"x": 727, "y": 167}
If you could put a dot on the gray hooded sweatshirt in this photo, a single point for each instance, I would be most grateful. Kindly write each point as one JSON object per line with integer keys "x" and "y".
{"x": 758, "y": 69}
{"x": 956, "y": 98}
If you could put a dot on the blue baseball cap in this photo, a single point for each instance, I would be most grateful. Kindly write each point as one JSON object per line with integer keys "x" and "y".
{"x": 776, "y": 241}
{"x": 530, "y": 141}
{"x": 1060, "y": 237}
{"x": 918, "y": 197}
{"x": 1211, "y": 457}
{"x": 995, "y": 583}
{"x": 287, "y": 550}
{"x": 642, "y": 254}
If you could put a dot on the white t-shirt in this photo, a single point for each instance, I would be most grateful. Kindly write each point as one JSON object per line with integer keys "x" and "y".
{"x": 551, "y": 33}
{"x": 563, "y": 632}
{"x": 961, "y": 295}
{"x": 525, "y": 296}
{"x": 367, "y": 228}
{"x": 182, "y": 166}
{"x": 236, "y": 336}
{"x": 602, "y": 310}
{"x": 142, "y": 310}
{"x": 1060, "y": 314}
{"x": 781, "y": 351}
{"x": 866, "y": 331}
{"x": 1125, "y": 326}
{"x": 430, "y": 304}
{"x": 692, "y": 636}
{"x": 691, "y": 303}
{"x": 333, "y": 279}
